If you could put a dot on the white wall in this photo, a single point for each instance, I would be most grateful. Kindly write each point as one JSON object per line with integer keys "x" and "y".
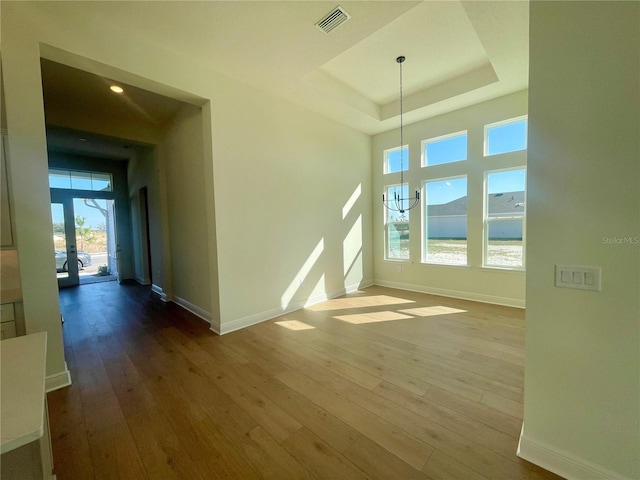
{"x": 142, "y": 173}
{"x": 96, "y": 122}
{"x": 180, "y": 154}
{"x": 28, "y": 168}
{"x": 276, "y": 177}
{"x": 284, "y": 179}
{"x": 472, "y": 282}
{"x": 582, "y": 381}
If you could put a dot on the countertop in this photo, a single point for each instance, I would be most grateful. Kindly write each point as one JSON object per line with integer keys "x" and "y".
{"x": 22, "y": 395}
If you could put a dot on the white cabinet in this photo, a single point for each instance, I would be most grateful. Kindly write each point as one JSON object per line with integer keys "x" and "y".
{"x": 25, "y": 441}
{"x": 11, "y": 323}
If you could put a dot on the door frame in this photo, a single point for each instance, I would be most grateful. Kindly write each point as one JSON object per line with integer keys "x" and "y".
{"x": 73, "y": 275}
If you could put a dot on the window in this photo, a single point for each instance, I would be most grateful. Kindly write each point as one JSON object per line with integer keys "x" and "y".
{"x": 445, "y": 149}
{"x": 445, "y": 225}
{"x": 504, "y": 219}
{"x": 396, "y": 159}
{"x": 396, "y": 227}
{"x": 506, "y": 136}
{"x": 74, "y": 180}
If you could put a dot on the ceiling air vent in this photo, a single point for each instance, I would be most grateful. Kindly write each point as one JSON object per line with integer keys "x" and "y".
{"x": 335, "y": 17}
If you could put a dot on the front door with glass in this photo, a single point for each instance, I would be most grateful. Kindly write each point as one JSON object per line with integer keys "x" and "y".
{"x": 64, "y": 241}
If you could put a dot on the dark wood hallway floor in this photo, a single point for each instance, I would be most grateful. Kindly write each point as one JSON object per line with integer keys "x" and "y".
{"x": 381, "y": 384}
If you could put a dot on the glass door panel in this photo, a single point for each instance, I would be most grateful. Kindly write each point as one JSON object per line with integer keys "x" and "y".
{"x": 95, "y": 236}
{"x": 64, "y": 243}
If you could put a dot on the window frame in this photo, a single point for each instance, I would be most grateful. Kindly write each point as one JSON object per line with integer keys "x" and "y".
{"x": 501, "y": 123}
{"x": 424, "y": 230}
{"x": 423, "y": 148}
{"x": 487, "y": 220}
{"x": 385, "y": 159}
{"x": 386, "y": 227}
{"x": 87, "y": 173}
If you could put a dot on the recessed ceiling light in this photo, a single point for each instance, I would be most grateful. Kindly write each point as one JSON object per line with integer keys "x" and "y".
{"x": 116, "y": 89}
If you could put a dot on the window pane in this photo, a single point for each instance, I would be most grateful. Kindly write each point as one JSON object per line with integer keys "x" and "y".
{"x": 80, "y": 180}
{"x": 508, "y": 137}
{"x": 97, "y": 182}
{"x": 394, "y": 158}
{"x": 506, "y": 193}
{"x": 397, "y": 225}
{"x": 504, "y": 243}
{"x": 101, "y": 182}
{"x": 445, "y": 150}
{"x": 446, "y": 222}
{"x": 59, "y": 179}
{"x": 398, "y": 241}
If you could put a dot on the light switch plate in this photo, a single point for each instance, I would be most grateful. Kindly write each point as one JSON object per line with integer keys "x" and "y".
{"x": 580, "y": 277}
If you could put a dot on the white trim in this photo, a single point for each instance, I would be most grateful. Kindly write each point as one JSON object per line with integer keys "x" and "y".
{"x": 197, "y": 311}
{"x": 158, "y": 290}
{"x": 562, "y": 463}
{"x": 260, "y": 317}
{"x": 142, "y": 282}
{"x": 215, "y": 327}
{"x": 58, "y": 380}
{"x": 475, "y": 297}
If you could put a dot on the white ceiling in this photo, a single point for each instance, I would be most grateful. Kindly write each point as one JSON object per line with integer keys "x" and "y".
{"x": 458, "y": 53}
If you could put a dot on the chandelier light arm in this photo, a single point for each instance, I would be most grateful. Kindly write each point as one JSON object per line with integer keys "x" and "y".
{"x": 398, "y": 202}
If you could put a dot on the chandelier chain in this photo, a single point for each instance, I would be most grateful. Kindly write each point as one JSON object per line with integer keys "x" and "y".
{"x": 401, "y": 132}
{"x": 398, "y": 203}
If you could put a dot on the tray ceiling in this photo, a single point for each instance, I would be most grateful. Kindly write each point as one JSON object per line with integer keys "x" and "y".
{"x": 458, "y": 53}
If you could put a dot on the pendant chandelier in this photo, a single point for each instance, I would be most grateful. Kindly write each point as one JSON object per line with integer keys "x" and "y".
{"x": 399, "y": 204}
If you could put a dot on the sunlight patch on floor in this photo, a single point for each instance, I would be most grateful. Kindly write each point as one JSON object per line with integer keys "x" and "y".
{"x": 358, "y": 302}
{"x": 431, "y": 311}
{"x": 373, "y": 317}
{"x": 295, "y": 325}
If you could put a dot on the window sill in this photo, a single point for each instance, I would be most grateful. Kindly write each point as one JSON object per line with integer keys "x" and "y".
{"x": 518, "y": 271}
{"x": 429, "y": 264}
{"x": 393, "y": 260}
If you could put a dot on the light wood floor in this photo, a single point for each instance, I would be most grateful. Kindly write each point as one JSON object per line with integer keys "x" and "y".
{"x": 381, "y": 384}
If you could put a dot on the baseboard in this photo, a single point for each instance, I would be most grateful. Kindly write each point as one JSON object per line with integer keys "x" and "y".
{"x": 475, "y": 297}
{"x": 197, "y": 311}
{"x": 562, "y": 463}
{"x": 142, "y": 281}
{"x": 58, "y": 380}
{"x": 158, "y": 290}
{"x": 215, "y": 327}
{"x": 260, "y": 317}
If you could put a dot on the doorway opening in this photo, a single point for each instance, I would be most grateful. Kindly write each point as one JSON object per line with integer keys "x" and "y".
{"x": 85, "y": 240}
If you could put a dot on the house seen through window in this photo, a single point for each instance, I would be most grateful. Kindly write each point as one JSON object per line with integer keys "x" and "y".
{"x": 445, "y": 225}
{"x": 449, "y": 171}
{"x": 504, "y": 219}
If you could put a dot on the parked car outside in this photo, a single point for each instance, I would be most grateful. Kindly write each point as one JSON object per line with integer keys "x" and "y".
{"x": 84, "y": 260}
